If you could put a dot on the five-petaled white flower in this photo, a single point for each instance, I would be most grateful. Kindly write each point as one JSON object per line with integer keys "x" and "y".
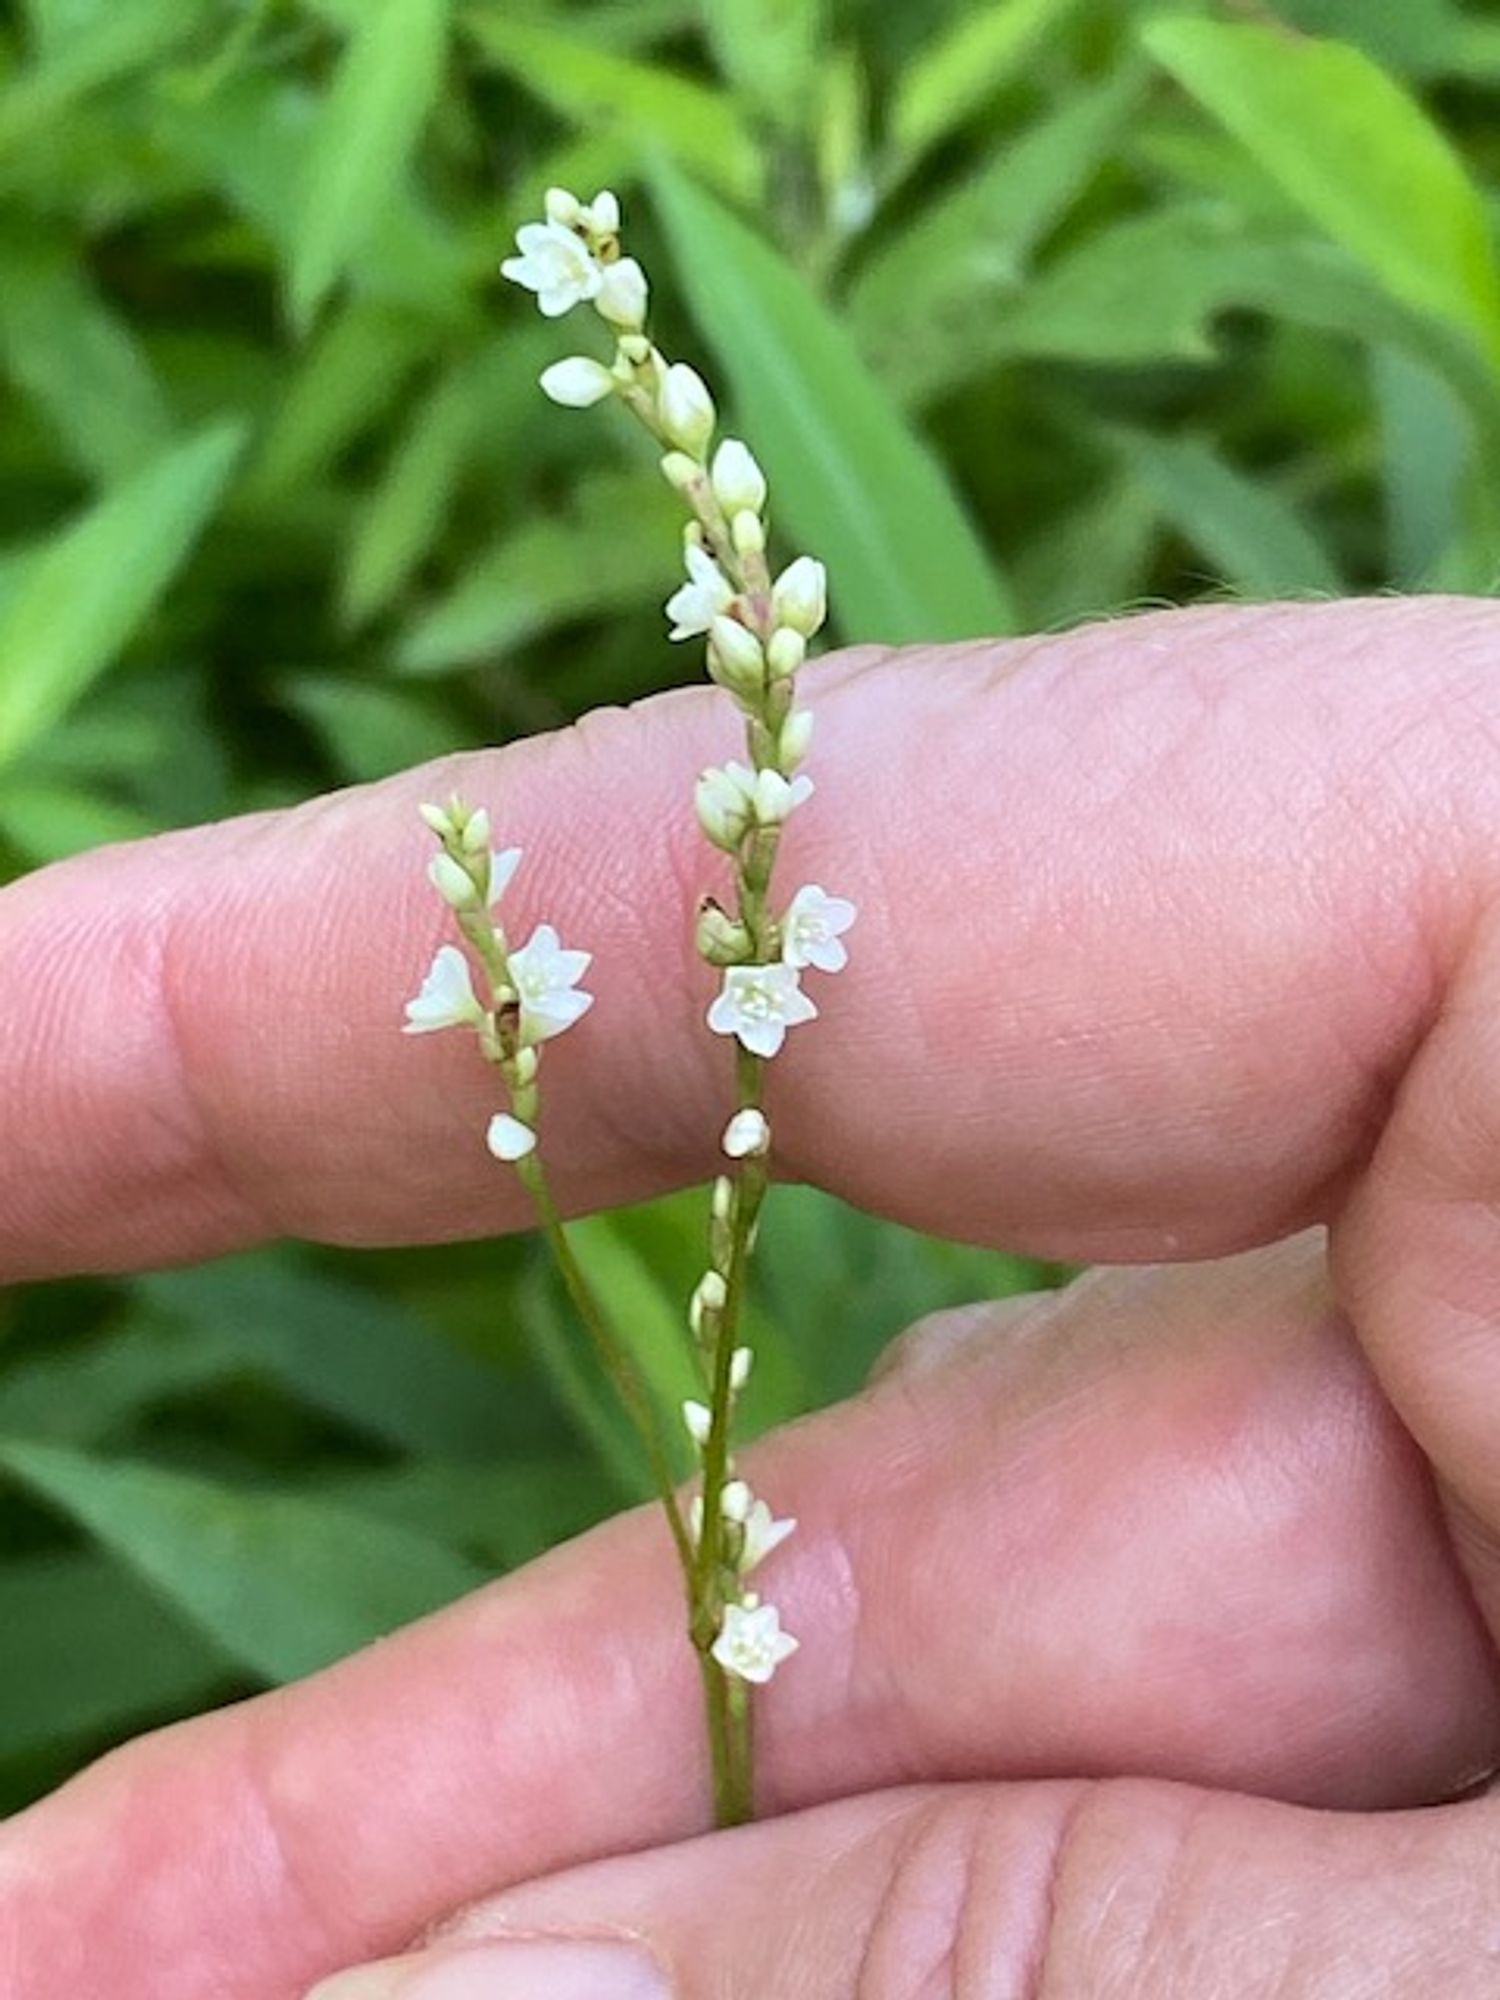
{"x": 706, "y": 595}
{"x": 447, "y": 996}
{"x": 509, "y": 1138}
{"x": 555, "y": 264}
{"x": 813, "y": 929}
{"x": 758, "y": 1004}
{"x": 546, "y": 978}
{"x": 751, "y": 1643}
{"x": 762, "y": 1534}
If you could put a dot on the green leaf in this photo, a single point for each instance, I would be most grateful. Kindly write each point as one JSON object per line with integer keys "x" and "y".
{"x": 650, "y": 1325}
{"x": 87, "y": 592}
{"x": 366, "y": 133}
{"x": 48, "y": 822}
{"x": 1256, "y": 539}
{"x": 370, "y": 730}
{"x": 1356, "y": 152}
{"x": 983, "y": 51}
{"x": 769, "y": 51}
{"x": 113, "y": 42}
{"x": 926, "y": 294}
{"x": 596, "y": 89}
{"x": 406, "y": 510}
{"x": 344, "y": 1349}
{"x": 282, "y": 1583}
{"x": 78, "y": 360}
{"x": 85, "y": 1648}
{"x": 852, "y": 482}
{"x": 502, "y": 1514}
{"x": 612, "y": 552}
{"x": 1427, "y": 461}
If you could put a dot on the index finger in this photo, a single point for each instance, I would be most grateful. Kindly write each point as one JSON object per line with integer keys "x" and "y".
{"x": 1151, "y": 914}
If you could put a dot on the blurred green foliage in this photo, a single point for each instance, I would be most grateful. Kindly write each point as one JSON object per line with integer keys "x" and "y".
{"x": 1034, "y": 309}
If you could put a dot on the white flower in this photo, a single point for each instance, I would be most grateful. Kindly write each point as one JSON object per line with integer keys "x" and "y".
{"x": 704, "y": 597}
{"x": 799, "y": 596}
{"x": 687, "y": 409}
{"x": 503, "y": 865}
{"x": 698, "y": 1421}
{"x": 776, "y": 798}
{"x": 447, "y": 996}
{"x": 738, "y": 481}
{"x": 811, "y": 932}
{"x": 747, "y": 1135}
{"x": 751, "y": 1644}
{"x": 546, "y": 981}
{"x": 762, "y": 1535}
{"x": 556, "y": 265}
{"x": 508, "y": 1138}
{"x": 758, "y": 1004}
{"x": 622, "y": 295}
{"x": 724, "y": 799}
{"x": 577, "y": 382}
{"x": 453, "y": 882}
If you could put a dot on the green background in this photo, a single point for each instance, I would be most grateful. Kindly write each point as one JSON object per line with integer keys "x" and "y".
{"x": 1033, "y": 310}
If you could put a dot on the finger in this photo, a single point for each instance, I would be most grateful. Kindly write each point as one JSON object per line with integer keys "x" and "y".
{"x": 1109, "y": 888}
{"x": 1118, "y": 1891}
{"x": 1419, "y": 1257}
{"x": 1167, "y": 1528}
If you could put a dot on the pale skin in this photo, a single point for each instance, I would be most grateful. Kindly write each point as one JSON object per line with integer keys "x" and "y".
{"x": 1178, "y": 938}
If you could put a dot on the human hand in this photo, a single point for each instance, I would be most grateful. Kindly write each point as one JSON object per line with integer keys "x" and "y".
{"x": 1177, "y": 937}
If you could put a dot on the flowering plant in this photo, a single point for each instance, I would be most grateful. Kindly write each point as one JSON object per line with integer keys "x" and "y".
{"x": 756, "y": 627}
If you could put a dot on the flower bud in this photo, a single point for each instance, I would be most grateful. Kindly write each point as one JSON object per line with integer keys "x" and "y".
{"x": 577, "y": 382}
{"x": 720, "y": 939}
{"x": 776, "y": 797}
{"x": 708, "y": 1298}
{"x": 738, "y": 481}
{"x": 453, "y": 882}
{"x": 723, "y": 807}
{"x": 603, "y": 213}
{"x": 800, "y": 596}
{"x": 786, "y": 652}
{"x": 698, "y": 1421}
{"x": 621, "y": 297}
{"x": 687, "y": 409}
{"x": 722, "y": 1204}
{"x": 736, "y": 1499}
{"x": 679, "y": 470}
{"x": 508, "y": 1139}
{"x": 747, "y": 533}
{"x": 475, "y": 838}
{"x": 747, "y": 1135}
{"x": 796, "y": 735}
{"x": 524, "y": 1065}
{"x": 437, "y": 818}
{"x": 739, "y": 652}
{"x": 562, "y": 207}
{"x": 740, "y": 1363}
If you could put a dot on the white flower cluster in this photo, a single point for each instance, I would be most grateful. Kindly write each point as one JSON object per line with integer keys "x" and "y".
{"x": 750, "y": 1642}
{"x": 533, "y": 990}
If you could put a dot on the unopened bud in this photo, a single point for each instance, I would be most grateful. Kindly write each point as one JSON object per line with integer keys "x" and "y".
{"x": 723, "y": 806}
{"x": 680, "y": 471}
{"x": 687, "y": 409}
{"x": 747, "y": 534}
{"x": 720, "y": 939}
{"x": 621, "y": 298}
{"x": 736, "y": 1499}
{"x": 738, "y": 481}
{"x": 708, "y": 1300}
{"x": 476, "y": 835}
{"x": 738, "y": 652}
{"x": 786, "y": 652}
{"x": 800, "y": 596}
{"x": 562, "y": 207}
{"x": 437, "y": 818}
{"x": 577, "y": 382}
{"x": 453, "y": 883}
{"x": 740, "y": 1364}
{"x": 698, "y": 1421}
{"x": 796, "y": 736}
{"x": 747, "y": 1135}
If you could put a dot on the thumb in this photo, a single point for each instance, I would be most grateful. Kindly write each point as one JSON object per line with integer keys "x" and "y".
{"x": 1123, "y": 1890}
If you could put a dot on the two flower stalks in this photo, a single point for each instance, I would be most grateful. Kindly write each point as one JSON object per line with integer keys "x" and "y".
{"x": 756, "y": 629}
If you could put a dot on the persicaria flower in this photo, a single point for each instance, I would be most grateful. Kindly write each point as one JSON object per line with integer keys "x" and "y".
{"x": 556, "y": 264}
{"x": 577, "y": 382}
{"x": 622, "y": 295}
{"x": 758, "y": 1004}
{"x": 799, "y": 596}
{"x": 751, "y": 1643}
{"x": 705, "y": 596}
{"x": 509, "y": 1138}
{"x": 747, "y": 1135}
{"x": 813, "y": 929}
{"x": 762, "y": 1534}
{"x": 776, "y": 798}
{"x": 697, "y": 1420}
{"x": 546, "y": 978}
{"x": 687, "y": 409}
{"x": 724, "y": 799}
{"x": 738, "y": 481}
{"x": 447, "y": 996}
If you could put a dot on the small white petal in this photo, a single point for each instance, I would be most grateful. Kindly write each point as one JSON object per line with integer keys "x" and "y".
{"x": 603, "y": 213}
{"x": 706, "y": 594}
{"x": 503, "y": 864}
{"x": 437, "y": 818}
{"x": 762, "y": 1535}
{"x": 508, "y": 1138}
{"x": 577, "y": 382}
{"x": 447, "y": 996}
{"x": 698, "y": 1420}
{"x": 747, "y": 1135}
{"x": 555, "y": 264}
{"x": 736, "y": 1501}
{"x": 562, "y": 207}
